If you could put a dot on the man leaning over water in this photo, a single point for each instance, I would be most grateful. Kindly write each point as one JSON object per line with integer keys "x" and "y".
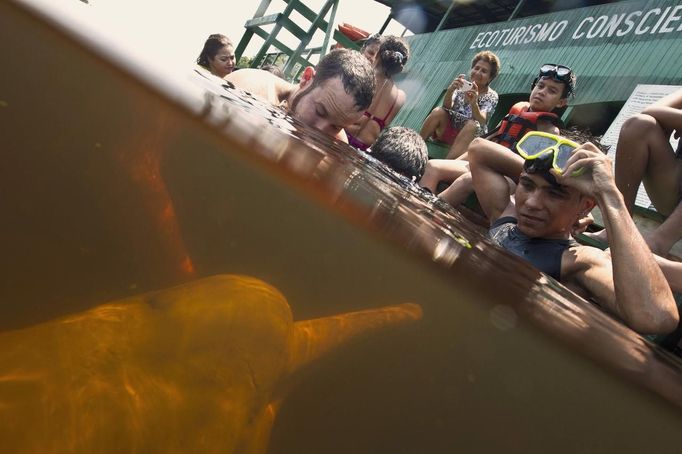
{"x": 548, "y": 201}
{"x": 329, "y": 97}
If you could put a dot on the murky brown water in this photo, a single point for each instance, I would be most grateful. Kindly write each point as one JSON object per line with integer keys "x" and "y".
{"x": 372, "y": 320}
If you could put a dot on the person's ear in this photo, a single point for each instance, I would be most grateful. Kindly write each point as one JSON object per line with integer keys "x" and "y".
{"x": 307, "y": 76}
{"x": 562, "y": 103}
{"x": 586, "y": 206}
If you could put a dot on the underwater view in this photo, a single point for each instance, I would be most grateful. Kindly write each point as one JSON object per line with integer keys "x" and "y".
{"x": 186, "y": 268}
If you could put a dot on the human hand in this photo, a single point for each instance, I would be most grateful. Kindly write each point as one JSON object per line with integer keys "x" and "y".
{"x": 596, "y": 176}
{"x": 582, "y": 224}
{"x": 471, "y": 95}
{"x": 458, "y": 83}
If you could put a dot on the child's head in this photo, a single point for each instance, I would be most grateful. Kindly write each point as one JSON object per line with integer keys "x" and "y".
{"x": 552, "y": 87}
{"x": 403, "y": 150}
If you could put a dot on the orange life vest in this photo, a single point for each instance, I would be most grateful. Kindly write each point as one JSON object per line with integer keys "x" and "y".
{"x": 518, "y": 122}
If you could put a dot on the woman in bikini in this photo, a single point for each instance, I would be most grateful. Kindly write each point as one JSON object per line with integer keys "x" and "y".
{"x": 390, "y": 60}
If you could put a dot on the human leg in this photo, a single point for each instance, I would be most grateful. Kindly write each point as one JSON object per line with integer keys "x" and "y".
{"x": 644, "y": 155}
{"x": 435, "y": 123}
{"x": 457, "y": 193}
{"x": 438, "y": 170}
{"x": 463, "y": 139}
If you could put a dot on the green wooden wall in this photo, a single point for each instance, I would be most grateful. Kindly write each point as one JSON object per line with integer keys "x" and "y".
{"x": 611, "y": 48}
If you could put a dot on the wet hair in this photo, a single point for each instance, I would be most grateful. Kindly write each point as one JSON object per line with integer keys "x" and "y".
{"x": 274, "y": 69}
{"x": 403, "y": 150}
{"x": 582, "y": 136}
{"x": 211, "y": 48}
{"x": 355, "y": 71}
{"x": 393, "y": 55}
{"x": 492, "y": 59}
{"x": 372, "y": 40}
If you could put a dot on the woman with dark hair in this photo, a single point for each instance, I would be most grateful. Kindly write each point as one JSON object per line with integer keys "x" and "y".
{"x": 388, "y": 99}
{"x": 217, "y": 56}
{"x": 370, "y": 48}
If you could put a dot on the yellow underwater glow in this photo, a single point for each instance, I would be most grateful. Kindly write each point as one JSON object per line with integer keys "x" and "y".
{"x": 197, "y": 368}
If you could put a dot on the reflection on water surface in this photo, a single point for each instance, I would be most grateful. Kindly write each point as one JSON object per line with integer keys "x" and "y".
{"x": 158, "y": 201}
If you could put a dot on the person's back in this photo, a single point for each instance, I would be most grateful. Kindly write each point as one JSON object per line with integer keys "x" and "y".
{"x": 262, "y": 84}
{"x": 391, "y": 58}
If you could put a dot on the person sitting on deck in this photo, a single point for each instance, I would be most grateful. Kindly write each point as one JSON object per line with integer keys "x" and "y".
{"x": 330, "y": 97}
{"x": 217, "y": 56}
{"x": 464, "y": 114}
{"x": 388, "y": 100}
{"x": 549, "y": 93}
{"x": 644, "y": 154}
{"x": 559, "y": 182}
{"x": 403, "y": 150}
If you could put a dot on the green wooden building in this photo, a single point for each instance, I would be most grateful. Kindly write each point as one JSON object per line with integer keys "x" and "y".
{"x": 612, "y": 48}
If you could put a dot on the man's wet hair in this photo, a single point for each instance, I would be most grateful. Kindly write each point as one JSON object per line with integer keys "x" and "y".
{"x": 355, "y": 71}
{"x": 403, "y": 150}
{"x": 581, "y": 136}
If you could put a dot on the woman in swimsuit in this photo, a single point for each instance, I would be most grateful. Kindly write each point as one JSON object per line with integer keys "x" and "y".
{"x": 217, "y": 56}
{"x": 388, "y": 99}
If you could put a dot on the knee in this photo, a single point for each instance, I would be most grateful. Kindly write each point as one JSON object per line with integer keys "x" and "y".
{"x": 438, "y": 112}
{"x": 476, "y": 145}
{"x": 638, "y": 125}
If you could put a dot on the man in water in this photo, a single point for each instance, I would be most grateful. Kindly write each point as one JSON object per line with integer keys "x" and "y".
{"x": 537, "y": 223}
{"x": 329, "y": 97}
{"x": 403, "y": 150}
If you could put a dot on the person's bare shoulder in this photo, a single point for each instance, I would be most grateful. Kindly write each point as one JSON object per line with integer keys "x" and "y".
{"x": 259, "y": 83}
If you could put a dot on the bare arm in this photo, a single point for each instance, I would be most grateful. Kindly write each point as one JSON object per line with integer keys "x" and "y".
{"x": 454, "y": 85}
{"x": 632, "y": 285}
{"x": 672, "y": 271}
{"x": 472, "y": 98}
{"x": 490, "y": 163}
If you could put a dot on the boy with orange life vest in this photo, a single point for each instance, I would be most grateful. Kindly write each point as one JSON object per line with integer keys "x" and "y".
{"x": 550, "y": 92}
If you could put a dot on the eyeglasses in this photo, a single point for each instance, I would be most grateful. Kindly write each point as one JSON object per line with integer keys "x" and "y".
{"x": 543, "y": 151}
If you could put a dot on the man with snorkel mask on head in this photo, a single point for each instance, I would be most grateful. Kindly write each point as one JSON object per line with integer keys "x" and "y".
{"x": 559, "y": 182}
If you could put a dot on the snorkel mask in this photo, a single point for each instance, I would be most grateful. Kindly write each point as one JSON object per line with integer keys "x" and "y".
{"x": 543, "y": 151}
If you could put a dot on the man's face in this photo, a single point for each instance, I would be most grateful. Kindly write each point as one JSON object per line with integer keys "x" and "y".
{"x": 546, "y": 95}
{"x": 544, "y": 210}
{"x": 326, "y": 107}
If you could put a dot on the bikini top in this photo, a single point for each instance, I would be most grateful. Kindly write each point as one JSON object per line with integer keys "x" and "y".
{"x": 381, "y": 121}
